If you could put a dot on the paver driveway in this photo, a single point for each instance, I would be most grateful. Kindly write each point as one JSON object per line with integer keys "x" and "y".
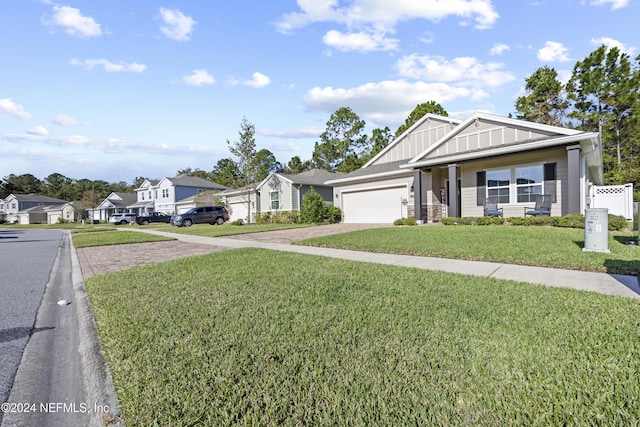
{"x": 104, "y": 259}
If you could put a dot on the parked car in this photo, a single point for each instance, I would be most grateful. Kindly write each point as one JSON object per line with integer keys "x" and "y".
{"x": 153, "y": 217}
{"x": 122, "y": 218}
{"x": 201, "y": 215}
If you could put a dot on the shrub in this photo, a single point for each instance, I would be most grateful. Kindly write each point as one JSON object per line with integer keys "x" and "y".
{"x": 489, "y": 220}
{"x": 263, "y": 218}
{"x": 405, "y": 221}
{"x": 334, "y": 214}
{"x": 237, "y": 222}
{"x": 313, "y": 209}
{"x": 617, "y": 222}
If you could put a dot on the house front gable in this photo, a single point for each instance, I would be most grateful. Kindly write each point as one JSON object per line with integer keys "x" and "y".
{"x": 419, "y": 137}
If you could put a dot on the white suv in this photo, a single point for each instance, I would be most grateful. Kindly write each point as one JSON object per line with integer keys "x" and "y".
{"x": 122, "y": 218}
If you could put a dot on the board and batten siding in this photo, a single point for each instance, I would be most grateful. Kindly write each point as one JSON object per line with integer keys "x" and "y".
{"x": 486, "y": 135}
{"x": 467, "y": 173}
{"x": 417, "y": 141}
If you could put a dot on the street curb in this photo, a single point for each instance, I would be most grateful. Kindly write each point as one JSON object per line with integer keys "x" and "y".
{"x": 96, "y": 375}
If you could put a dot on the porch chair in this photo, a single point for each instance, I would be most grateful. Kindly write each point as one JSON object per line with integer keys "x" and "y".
{"x": 491, "y": 207}
{"x": 543, "y": 206}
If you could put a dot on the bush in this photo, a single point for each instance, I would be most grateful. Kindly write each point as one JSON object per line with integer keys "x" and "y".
{"x": 616, "y": 222}
{"x": 334, "y": 214}
{"x": 405, "y": 221}
{"x": 263, "y": 218}
{"x": 237, "y": 222}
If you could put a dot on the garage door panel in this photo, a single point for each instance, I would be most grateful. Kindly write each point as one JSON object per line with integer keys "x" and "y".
{"x": 238, "y": 211}
{"x": 381, "y": 206}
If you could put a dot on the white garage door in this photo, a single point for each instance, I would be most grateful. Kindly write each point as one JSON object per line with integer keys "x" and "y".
{"x": 381, "y": 206}
{"x": 238, "y": 211}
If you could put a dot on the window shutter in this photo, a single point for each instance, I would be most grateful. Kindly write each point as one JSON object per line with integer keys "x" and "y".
{"x": 481, "y": 187}
{"x": 550, "y": 180}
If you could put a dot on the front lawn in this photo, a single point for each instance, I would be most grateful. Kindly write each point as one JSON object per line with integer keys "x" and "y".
{"x": 256, "y": 337}
{"x": 537, "y": 246}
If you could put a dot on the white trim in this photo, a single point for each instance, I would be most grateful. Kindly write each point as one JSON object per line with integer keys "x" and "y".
{"x": 367, "y": 177}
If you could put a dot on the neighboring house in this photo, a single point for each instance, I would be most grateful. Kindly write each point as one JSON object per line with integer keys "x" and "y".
{"x": 279, "y": 192}
{"x": 171, "y": 195}
{"x": 15, "y": 203}
{"x": 50, "y": 214}
{"x": 146, "y": 195}
{"x": 483, "y": 156}
{"x": 112, "y": 204}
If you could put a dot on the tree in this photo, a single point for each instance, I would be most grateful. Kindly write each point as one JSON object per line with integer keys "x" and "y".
{"x": 420, "y": 111}
{"x": 296, "y": 165}
{"x": 244, "y": 149}
{"x": 342, "y": 140}
{"x": 226, "y": 172}
{"x": 380, "y": 138}
{"x": 58, "y": 186}
{"x": 604, "y": 90}
{"x": 195, "y": 172}
{"x": 20, "y": 184}
{"x": 545, "y": 101}
{"x": 265, "y": 164}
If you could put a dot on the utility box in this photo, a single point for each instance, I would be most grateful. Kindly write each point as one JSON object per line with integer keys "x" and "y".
{"x": 596, "y": 230}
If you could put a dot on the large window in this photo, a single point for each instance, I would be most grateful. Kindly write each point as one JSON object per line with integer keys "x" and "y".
{"x": 165, "y": 193}
{"x": 498, "y": 184}
{"x": 528, "y": 183}
{"x": 275, "y": 200}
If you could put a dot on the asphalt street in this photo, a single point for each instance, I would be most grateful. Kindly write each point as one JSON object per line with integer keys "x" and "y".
{"x": 40, "y": 372}
{"x": 26, "y": 261}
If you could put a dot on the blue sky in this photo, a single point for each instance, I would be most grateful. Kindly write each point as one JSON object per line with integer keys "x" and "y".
{"x": 118, "y": 89}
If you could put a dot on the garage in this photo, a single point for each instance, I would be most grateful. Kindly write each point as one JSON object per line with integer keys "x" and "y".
{"x": 378, "y": 206}
{"x": 238, "y": 211}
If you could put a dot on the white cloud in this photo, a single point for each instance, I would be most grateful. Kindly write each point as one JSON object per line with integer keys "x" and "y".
{"x": 359, "y": 41}
{"x": 259, "y": 80}
{"x": 615, "y": 4}
{"x": 377, "y": 12}
{"x": 10, "y": 108}
{"x": 499, "y": 49}
{"x": 39, "y": 131}
{"x": 199, "y": 78}
{"x": 177, "y": 26}
{"x": 553, "y": 52}
{"x": 609, "y": 42}
{"x": 74, "y": 23}
{"x": 90, "y": 64}
{"x": 387, "y": 102}
{"x": 62, "y": 120}
{"x": 465, "y": 71}
{"x": 308, "y": 132}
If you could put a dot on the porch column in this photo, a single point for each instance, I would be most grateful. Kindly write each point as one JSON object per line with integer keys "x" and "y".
{"x": 573, "y": 181}
{"x": 454, "y": 209}
{"x": 417, "y": 195}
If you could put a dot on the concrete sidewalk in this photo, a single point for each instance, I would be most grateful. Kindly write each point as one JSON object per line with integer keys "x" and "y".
{"x": 609, "y": 284}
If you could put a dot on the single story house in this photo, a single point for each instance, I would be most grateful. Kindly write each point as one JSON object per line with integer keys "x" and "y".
{"x": 444, "y": 167}
{"x": 112, "y": 204}
{"x": 279, "y": 192}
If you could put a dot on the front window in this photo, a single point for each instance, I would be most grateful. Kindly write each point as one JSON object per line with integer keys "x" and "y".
{"x": 142, "y": 196}
{"x": 149, "y": 194}
{"x": 165, "y": 193}
{"x": 275, "y": 200}
{"x": 529, "y": 183}
{"x": 498, "y": 184}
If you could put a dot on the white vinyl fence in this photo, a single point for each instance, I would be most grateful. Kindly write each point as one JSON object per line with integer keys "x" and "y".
{"x": 617, "y": 198}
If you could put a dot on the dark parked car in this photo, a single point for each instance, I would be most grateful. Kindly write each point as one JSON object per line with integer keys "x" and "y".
{"x": 201, "y": 215}
{"x": 153, "y": 217}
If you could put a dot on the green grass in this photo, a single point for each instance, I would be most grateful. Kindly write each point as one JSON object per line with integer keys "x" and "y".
{"x": 538, "y": 246}
{"x": 255, "y": 337}
{"x": 82, "y": 240}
